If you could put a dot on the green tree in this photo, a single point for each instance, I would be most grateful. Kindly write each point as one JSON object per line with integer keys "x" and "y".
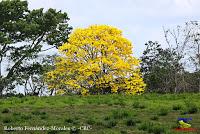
{"x": 24, "y": 34}
{"x": 159, "y": 67}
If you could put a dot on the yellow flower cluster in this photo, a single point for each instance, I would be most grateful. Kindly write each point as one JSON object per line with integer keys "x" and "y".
{"x": 95, "y": 58}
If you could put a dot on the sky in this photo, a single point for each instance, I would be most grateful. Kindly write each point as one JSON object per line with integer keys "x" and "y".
{"x": 140, "y": 20}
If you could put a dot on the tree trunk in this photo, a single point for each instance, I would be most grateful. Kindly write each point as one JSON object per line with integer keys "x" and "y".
{"x": 1, "y": 89}
{"x": 184, "y": 82}
{"x": 176, "y": 82}
{"x": 51, "y": 93}
{"x": 199, "y": 64}
{"x": 1, "y": 93}
{"x": 199, "y": 83}
{"x": 2, "y": 86}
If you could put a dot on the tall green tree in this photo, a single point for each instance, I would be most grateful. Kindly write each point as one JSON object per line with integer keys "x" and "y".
{"x": 159, "y": 67}
{"x": 24, "y": 35}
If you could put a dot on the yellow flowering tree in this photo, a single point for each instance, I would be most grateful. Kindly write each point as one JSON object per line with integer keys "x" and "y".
{"x": 97, "y": 59}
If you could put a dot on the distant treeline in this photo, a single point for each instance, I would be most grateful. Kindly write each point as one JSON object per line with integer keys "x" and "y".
{"x": 28, "y": 36}
{"x": 176, "y": 68}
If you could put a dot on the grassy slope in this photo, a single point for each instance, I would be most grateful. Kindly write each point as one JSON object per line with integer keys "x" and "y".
{"x": 148, "y": 113}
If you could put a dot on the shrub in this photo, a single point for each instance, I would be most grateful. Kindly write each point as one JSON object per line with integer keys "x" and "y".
{"x": 68, "y": 120}
{"x": 74, "y": 121}
{"x": 130, "y": 122}
{"x": 43, "y": 117}
{"x": 123, "y": 132}
{"x": 74, "y": 131}
{"x": 91, "y": 121}
{"x": 145, "y": 126}
{"x": 175, "y": 125}
{"x": 26, "y": 117}
{"x": 163, "y": 112}
{"x": 107, "y": 118}
{"x": 111, "y": 123}
{"x": 154, "y": 118}
{"x": 152, "y": 128}
{"x": 32, "y": 102}
{"x": 156, "y": 129}
{"x": 99, "y": 123}
{"x": 192, "y": 108}
{"x": 177, "y": 107}
{"x": 36, "y": 112}
{"x": 5, "y": 110}
{"x": 7, "y": 120}
{"x": 142, "y": 106}
{"x": 183, "y": 112}
{"x": 119, "y": 114}
{"x": 138, "y": 105}
{"x": 137, "y": 121}
{"x": 109, "y": 104}
{"x": 16, "y": 114}
{"x": 121, "y": 103}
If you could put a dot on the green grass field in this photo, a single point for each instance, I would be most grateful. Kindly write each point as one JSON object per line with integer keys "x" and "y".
{"x": 105, "y": 114}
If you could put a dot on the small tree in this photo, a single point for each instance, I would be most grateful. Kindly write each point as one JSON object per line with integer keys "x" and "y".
{"x": 97, "y": 59}
{"x": 159, "y": 67}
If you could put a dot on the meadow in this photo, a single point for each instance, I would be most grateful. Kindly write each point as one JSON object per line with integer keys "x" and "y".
{"x": 105, "y": 114}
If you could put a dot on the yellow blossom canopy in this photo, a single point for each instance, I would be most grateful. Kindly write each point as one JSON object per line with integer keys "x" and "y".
{"x": 97, "y": 59}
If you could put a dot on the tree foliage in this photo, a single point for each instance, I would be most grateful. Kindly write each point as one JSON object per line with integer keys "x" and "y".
{"x": 160, "y": 67}
{"x": 24, "y": 34}
{"x": 185, "y": 40}
{"x": 97, "y": 59}
{"x": 176, "y": 68}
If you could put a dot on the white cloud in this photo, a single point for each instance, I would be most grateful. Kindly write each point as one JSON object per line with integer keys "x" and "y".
{"x": 141, "y": 20}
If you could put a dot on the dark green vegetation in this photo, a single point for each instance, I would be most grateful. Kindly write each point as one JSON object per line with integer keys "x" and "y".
{"x": 24, "y": 35}
{"x": 164, "y": 71}
{"x": 174, "y": 68}
{"x": 107, "y": 114}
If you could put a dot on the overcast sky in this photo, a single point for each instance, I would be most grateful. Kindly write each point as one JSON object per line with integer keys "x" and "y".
{"x": 140, "y": 20}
